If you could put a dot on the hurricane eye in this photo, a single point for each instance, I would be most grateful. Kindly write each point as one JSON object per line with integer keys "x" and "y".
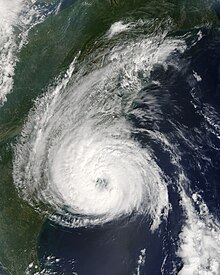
{"x": 102, "y": 184}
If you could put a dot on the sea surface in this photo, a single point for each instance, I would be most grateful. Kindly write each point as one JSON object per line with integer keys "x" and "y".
{"x": 110, "y": 137}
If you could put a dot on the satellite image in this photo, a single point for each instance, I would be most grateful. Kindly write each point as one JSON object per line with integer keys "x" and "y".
{"x": 109, "y": 137}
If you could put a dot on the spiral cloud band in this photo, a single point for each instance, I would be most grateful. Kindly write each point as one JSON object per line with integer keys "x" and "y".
{"x": 76, "y": 152}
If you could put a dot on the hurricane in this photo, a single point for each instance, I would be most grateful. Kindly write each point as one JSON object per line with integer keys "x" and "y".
{"x": 109, "y": 137}
{"x": 94, "y": 167}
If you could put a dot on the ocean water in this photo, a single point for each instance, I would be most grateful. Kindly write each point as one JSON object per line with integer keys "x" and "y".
{"x": 110, "y": 137}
